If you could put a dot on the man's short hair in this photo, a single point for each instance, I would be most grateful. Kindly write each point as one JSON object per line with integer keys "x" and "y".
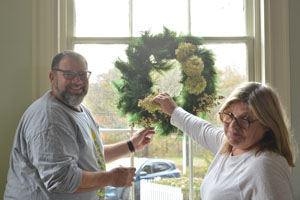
{"x": 74, "y": 55}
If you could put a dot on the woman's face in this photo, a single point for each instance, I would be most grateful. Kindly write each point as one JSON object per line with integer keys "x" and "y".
{"x": 243, "y": 139}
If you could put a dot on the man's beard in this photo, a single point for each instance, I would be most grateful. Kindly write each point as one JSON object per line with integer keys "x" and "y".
{"x": 69, "y": 98}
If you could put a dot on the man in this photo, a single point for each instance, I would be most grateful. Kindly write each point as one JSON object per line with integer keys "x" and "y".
{"x": 57, "y": 151}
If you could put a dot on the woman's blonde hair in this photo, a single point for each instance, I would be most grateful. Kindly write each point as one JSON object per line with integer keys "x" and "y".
{"x": 264, "y": 103}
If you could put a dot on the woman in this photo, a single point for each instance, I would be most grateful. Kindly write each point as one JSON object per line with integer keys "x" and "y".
{"x": 253, "y": 154}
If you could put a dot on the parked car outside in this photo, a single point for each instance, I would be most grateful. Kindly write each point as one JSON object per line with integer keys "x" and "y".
{"x": 146, "y": 168}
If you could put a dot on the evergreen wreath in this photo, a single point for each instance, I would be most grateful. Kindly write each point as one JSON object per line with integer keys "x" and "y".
{"x": 153, "y": 52}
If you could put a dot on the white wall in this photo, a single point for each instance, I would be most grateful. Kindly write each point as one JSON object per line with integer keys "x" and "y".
{"x": 294, "y": 6}
{"x": 15, "y": 73}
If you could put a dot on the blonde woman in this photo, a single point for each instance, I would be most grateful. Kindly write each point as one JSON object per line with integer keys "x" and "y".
{"x": 253, "y": 153}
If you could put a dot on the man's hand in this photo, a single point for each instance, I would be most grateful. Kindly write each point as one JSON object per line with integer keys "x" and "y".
{"x": 166, "y": 103}
{"x": 122, "y": 176}
{"x": 141, "y": 139}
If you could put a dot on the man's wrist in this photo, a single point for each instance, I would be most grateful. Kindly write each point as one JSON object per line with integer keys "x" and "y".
{"x": 130, "y": 146}
{"x": 108, "y": 175}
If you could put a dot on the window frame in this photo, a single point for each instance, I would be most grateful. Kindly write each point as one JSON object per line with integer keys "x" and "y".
{"x": 253, "y": 63}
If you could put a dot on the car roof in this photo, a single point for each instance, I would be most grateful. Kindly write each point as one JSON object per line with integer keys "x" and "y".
{"x": 126, "y": 162}
{"x": 137, "y": 162}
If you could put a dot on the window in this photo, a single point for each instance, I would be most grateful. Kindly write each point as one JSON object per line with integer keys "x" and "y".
{"x": 100, "y": 30}
{"x": 148, "y": 169}
{"x": 159, "y": 167}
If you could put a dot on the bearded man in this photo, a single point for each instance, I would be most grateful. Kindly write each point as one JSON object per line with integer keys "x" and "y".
{"x": 58, "y": 152}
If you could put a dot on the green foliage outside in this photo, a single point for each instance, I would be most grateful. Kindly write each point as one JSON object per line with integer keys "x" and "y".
{"x": 101, "y": 100}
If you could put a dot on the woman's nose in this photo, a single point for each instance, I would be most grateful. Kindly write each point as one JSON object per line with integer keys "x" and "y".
{"x": 234, "y": 124}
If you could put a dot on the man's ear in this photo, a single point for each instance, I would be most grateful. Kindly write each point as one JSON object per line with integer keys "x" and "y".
{"x": 51, "y": 77}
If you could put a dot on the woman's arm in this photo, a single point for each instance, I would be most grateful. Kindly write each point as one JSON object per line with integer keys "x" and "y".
{"x": 200, "y": 130}
{"x": 203, "y": 132}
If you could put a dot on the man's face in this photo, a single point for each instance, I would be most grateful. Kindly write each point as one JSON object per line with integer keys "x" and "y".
{"x": 71, "y": 92}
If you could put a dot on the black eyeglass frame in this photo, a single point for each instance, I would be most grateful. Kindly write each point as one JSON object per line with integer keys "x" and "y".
{"x": 83, "y": 75}
{"x": 249, "y": 122}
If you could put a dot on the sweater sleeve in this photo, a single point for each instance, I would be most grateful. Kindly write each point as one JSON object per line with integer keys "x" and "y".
{"x": 54, "y": 153}
{"x": 204, "y": 133}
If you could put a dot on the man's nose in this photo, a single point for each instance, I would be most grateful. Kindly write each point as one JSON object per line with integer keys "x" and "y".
{"x": 77, "y": 79}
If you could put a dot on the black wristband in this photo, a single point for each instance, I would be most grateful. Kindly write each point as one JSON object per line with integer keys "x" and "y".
{"x": 130, "y": 146}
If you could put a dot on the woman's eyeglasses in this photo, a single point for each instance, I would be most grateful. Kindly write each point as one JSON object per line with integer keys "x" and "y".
{"x": 243, "y": 122}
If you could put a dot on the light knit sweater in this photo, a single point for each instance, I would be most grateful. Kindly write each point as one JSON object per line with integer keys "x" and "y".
{"x": 266, "y": 176}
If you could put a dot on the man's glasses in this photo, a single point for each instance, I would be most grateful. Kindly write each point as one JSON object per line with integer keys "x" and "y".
{"x": 243, "y": 123}
{"x": 70, "y": 75}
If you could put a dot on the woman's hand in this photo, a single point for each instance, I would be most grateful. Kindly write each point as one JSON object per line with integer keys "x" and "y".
{"x": 166, "y": 103}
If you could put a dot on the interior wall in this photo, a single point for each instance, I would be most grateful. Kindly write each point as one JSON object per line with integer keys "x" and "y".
{"x": 15, "y": 73}
{"x": 294, "y": 7}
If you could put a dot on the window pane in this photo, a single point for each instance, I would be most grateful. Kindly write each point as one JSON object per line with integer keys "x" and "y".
{"x": 230, "y": 56}
{"x": 153, "y": 15}
{"x": 101, "y": 57}
{"x": 96, "y": 18}
{"x": 218, "y": 18}
{"x": 202, "y": 159}
{"x": 102, "y": 96}
{"x": 159, "y": 167}
{"x": 231, "y": 66}
{"x": 147, "y": 169}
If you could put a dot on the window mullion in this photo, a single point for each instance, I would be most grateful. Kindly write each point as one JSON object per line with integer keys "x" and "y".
{"x": 190, "y": 148}
{"x": 70, "y": 23}
{"x": 249, "y": 12}
{"x": 257, "y": 43}
{"x": 251, "y": 65}
{"x": 220, "y": 40}
{"x": 253, "y": 30}
{"x": 100, "y": 40}
{"x": 189, "y": 17}
{"x": 125, "y": 40}
{"x": 131, "y": 18}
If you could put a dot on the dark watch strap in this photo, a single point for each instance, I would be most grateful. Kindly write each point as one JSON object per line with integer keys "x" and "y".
{"x": 130, "y": 146}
